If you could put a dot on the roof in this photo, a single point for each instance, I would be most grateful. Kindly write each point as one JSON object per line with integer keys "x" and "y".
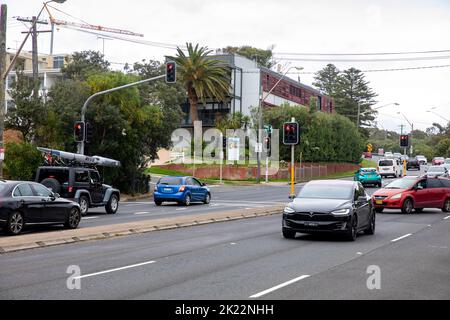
{"x": 333, "y": 182}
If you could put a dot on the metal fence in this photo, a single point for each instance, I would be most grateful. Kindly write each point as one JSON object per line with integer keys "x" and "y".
{"x": 309, "y": 172}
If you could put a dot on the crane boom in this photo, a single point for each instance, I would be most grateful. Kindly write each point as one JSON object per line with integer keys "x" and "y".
{"x": 93, "y": 27}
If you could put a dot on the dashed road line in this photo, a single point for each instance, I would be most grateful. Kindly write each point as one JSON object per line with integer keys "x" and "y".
{"x": 402, "y": 237}
{"x": 284, "y": 284}
{"x": 113, "y": 270}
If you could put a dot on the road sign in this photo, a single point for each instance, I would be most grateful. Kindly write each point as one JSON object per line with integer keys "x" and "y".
{"x": 258, "y": 147}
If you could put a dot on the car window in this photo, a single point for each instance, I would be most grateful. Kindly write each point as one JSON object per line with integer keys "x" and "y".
{"x": 445, "y": 183}
{"x": 23, "y": 190}
{"x": 95, "y": 176}
{"x": 434, "y": 183}
{"x": 171, "y": 181}
{"x": 189, "y": 182}
{"x": 196, "y": 182}
{"x": 42, "y": 191}
{"x": 422, "y": 183}
{"x": 385, "y": 163}
{"x": 82, "y": 176}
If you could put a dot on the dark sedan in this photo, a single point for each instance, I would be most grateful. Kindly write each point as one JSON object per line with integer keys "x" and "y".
{"x": 29, "y": 203}
{"x": 330, "y": 206}
{"x": 413, "y": 164}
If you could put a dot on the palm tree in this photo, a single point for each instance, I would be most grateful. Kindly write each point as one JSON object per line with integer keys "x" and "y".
{"x": 202, "y": 77}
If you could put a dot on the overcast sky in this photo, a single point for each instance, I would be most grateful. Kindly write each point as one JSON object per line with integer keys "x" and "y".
{"x": 293, "y": 26}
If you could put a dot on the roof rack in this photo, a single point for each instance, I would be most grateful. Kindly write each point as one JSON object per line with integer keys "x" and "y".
{"x": 63, "y": 158}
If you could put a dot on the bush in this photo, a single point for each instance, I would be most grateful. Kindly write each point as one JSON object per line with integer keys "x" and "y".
{"x": 21, "y": 160}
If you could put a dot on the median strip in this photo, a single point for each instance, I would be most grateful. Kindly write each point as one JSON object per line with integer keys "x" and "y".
{"x": 63, "y": 236}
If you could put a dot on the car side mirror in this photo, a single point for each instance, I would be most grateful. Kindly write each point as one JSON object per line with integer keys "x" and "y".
{"x": 57, "y": 195}
{"x": 203, "y": 184}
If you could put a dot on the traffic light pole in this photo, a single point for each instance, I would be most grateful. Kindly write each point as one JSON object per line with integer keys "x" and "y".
{"x": 86, "y": 104}
{"x": 292, "y": 195}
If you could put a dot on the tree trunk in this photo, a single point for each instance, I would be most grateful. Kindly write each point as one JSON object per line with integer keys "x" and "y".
{"x": 193, "y": 112}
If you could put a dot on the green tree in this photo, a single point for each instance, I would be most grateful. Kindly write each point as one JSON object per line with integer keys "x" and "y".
{"x": 235, "y": 121}
{"x": 326, "y": 80}
{"x": 263, "y": 57}
{"x": 443, "y": 148}
{"x": 201, "y": 76}
{"x": 21, "y": 161}
{"x": 85, "y": 63}
{"x": 28, "y": 114}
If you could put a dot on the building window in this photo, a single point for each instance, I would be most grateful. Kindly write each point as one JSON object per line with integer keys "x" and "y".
{"x": 319, "y": 103}
{"x": 58, "y": 62}
{"x": 9, "y": 105}
{"x": 331, "y": 107}
{"x": 295, "y": 91}
{"x": 10, "y": 81}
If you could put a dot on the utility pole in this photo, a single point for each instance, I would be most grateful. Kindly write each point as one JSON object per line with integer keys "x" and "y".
{"x": 3, "y": 18}
{"x": 35, "y": 60}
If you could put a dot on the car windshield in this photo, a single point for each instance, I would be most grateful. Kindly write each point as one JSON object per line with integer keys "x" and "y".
{"x": 436, "y": 169}
{"x": 326, "y": 191}
{"x": 171, "y": 180}
{"x": 371, "y": 170}
{"x": 404, "y": 183}
{"x": 385, "y": 163}
{"x": 439, "y": 158}
{"x": 447, "y": 161}
{"x": 2, "y": 188}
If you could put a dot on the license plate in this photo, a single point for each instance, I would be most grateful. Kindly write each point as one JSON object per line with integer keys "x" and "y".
{"x": 378, "y": 201}
{"x": 311, "y": 224}
{"x": 168, "y": 189}
{"x": 385, "y": 168}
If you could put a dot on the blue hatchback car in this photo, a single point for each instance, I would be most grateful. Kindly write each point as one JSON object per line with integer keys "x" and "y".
{"x": 183, "y": 190}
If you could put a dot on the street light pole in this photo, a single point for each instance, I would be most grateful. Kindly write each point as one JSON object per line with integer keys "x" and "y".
{"x": 260, "y": 117}
{"x": 437, "y": 114}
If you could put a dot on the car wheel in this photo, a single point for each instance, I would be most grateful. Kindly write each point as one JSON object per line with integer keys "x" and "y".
{"x": 446, "y": 207}
{"x": 73, "y": 219}
{"x": 379, "y": 210}
{"x": 379, "y": 185}
{"x": 113, "y": 204}
{"x": 15, "y": 223}
{"x": 371, "y": 228}
{"x": 158, "y": 202}
{"x": 352, "y": 231}
{"x": 84, "y": 205}
{"x": 418, "y": 210}
{"x": 187, "y": 200}
{"x": 288, "y": 234}
{"x": 407, "y": 206}
{"x": 207, "y": 199}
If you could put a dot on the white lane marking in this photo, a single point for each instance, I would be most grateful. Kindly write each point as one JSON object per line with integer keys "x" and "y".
{"x": 233, "y": 243}
{"x": 143, "y": 212}
{"x": 359, "y": 253}
{"x": 447, "y": 217}
{"x": 179, "y": 209}
{"x": 402, "y": 237}
{"x": 257, "y": 295}
{"x": 88, "y": 218}
{"x": 115, "y": 269}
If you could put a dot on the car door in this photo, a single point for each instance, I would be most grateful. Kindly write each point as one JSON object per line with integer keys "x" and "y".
{"x": 96, "y": 188}
{"x": 29, "y": 203}
{"x": 54, "y": 209}
{"x": 202, "y": 190}
{"x": 436, "y": 192}
{"x": 362, "y": 206}
{"x": 420, "y": 194}
{"x": 193, "y": 187}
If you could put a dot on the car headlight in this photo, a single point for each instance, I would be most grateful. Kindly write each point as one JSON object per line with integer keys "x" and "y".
{"x": 288, "y": 210}
{"x": 341, "y": 212}
{"x": 397, "y": 196}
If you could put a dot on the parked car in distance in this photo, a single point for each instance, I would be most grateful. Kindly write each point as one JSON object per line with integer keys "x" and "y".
{"x": 368, "y": 176}
{"x": 388, "y": 154}
{"x": 334, "y": 206}
{"x": 422, "y": 159}
{"x": 437, "y": 161}
{"x": 183, "y": 190}
{"x": 390, "y": 167}
{"x": 367, "y": 154}
{"x": 404, "y": 158}
{"x": 447, "y": 163}
{"x": 414, "y": 193}
{"x": 412, "y": 164}
{"x": 397, "y": 155}
{"x": 437, "y": 171}
{"x": 381, "y": 152}
{"x": 30, "y": 203}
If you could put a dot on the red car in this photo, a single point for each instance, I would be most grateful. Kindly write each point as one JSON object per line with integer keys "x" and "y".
{"x": 437, "y": 161}
{"x": 414, "y": 193}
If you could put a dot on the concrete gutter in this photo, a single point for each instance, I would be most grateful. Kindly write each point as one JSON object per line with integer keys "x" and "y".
{"x": 39, "y": 240}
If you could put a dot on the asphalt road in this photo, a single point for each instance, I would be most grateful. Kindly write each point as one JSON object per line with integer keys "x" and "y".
{"x": 243, "y": 259}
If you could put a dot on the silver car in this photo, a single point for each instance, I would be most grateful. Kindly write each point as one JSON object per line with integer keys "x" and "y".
{"x": 437, "y": 171}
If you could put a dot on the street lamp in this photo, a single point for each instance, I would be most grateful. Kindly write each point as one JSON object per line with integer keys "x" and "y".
{"x": 412, "y": 129}
{"x": 430, "y": 110}
{"x": 361, "y": 113}
{"x": 260, "y": 116}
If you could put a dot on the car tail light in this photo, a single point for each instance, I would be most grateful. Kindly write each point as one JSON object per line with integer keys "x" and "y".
{"x": 182, "y": 188}
{"x": 70, "y": 189}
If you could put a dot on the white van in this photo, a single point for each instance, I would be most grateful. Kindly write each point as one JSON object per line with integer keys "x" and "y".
{"x": 390, "y": 167}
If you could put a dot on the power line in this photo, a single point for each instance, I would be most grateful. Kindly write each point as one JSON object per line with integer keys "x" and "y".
{"x": 365, "y": 60}
{"x": 358, "y": 54}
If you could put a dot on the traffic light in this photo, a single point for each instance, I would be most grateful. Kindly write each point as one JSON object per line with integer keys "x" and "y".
{"x": 78, "y": 132}
{"x": 404, "y": 140}
{"x": 171, "y": 72}
{"x": 89, "y": 132}
{"x": 291, "y": 133}
{"x": 267, "y": 144}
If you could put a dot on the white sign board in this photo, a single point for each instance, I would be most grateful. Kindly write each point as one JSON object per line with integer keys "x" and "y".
{"x": 233, "y": 149}
{"x": 258, "y": 147}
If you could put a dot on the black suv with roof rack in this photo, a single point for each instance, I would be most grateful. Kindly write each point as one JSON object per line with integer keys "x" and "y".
{"x": 80, "y": 184}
